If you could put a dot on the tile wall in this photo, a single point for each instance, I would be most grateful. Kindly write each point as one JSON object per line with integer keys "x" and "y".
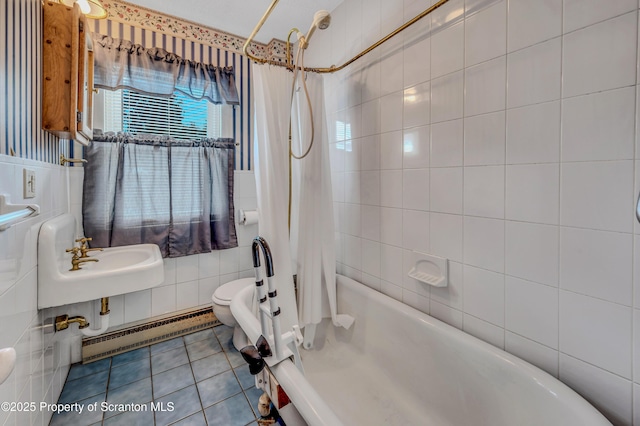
{"x": 44, "y": 357}
{"x": 500, "y": 134}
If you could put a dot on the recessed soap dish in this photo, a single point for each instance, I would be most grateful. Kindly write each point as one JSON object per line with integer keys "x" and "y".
{"x": 430, "y": 269}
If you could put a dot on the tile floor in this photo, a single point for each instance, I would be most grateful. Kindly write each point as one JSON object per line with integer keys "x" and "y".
{"x": 202, "y": 374}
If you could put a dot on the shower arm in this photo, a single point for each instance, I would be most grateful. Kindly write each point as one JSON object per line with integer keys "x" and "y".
{"x": 332, "y": 68}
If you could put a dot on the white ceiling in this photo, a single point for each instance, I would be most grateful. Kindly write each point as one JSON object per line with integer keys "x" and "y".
{"x": 239, "y": 17}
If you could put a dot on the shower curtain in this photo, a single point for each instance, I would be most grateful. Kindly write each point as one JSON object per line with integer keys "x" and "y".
{"x": 313, "y": 212}
{"x": 310, "y": 247}
{"x": 272, "y": 88}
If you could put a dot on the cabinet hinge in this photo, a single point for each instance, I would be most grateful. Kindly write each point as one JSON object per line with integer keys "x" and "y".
{"x": 79, "y": 117}
{"x": 81, "y": 26}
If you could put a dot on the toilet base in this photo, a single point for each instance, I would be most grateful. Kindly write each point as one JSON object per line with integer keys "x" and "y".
{"x": 240, "y": 339}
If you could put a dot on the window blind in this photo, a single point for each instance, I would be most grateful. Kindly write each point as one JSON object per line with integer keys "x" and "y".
{"x": 178, "y": 116}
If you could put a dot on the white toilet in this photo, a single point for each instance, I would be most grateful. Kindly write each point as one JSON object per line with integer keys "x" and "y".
{"x": 222, "y": 299}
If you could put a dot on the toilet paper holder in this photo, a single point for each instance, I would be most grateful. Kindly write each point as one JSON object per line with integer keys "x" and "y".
{"x": 247, "y": 217}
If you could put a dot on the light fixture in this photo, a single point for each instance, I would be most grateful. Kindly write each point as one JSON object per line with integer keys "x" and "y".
{"x": 90, "y": 8}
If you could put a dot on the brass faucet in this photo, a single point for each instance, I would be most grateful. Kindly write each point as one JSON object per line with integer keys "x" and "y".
{"x": 84, "y": 248}
{"x": 76, "y": 260}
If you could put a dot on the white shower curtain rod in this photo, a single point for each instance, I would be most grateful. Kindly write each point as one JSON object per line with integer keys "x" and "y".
{"x": 332, "y": 68}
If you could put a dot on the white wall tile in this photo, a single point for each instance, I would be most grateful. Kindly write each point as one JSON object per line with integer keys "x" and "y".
{"x": 415, "y": 230}
{"x": 371, "y": 222}
{"x": 533, "y": 22}
{"x": 163, "y": 300}
{"x": 484, "y": 243}
{"x": 539, "y": 355}
{"x": 452, "y": 294}
{"x": 599, "y": 126}
{"x": 352, "y": 218}
{"x": 447, "y": 144}
{"x": 484, "y": 189}
{"x": 391, "y": 226}
{"x": 415, "y": 189}
{"x": 532, "y": 193}
{"x": 390, "y": 15}
{"x": 391, "y": 73}
{"x": 391, "y": 149}
{"x": 228, "y": 261}
{"x": 370, "y": 157}
{"x": 533, "y": 134}
{"x": 446, "y": 314}
{"x": 596, "y": 195}
{"x": 532, "y": 252}
{"x": 415, "y": 300}
{"x": 391, "y": 290}
{"x": 371, "y": 258}
{"x": 589, "y": 64}
{"x": 447, "y": 50}
{"x": 352, "y": 155}
{"x": 206, "y": 288}
{"x": 391, "y": 112}
{"x": 187, "y": 268}
{"x": 531, "y": 310}
{"x": 484, "y": 139}
{"x": 485, "y": 86}
{"x": 187, "y": 295}
{"x": 636, "y": 403}
{"x": 597, "y": 263}
{"x": 391, "y": 188}
{"x": 636, "y": 271}
{"x": 534, "y": 74}
{"x": 484, "y": 295}
{"x": 447, "y": 97}
{"x": 596, "y": 331}
{"x": 369, "y": 188}
{"x": 580, "y": 13}
{"x": 486, "y": 34}
{"x": 391, "y": 265}
{"x": 448, "y": 14}
{"x": 446, "y": 190}
{"x": 417, "y": 62}
{"x": 208, "y": 264}
{"x": 417, "y": 105}
{"x": 415, "y": 147}
{"x": 636, "y": 345}
{"x": 608, "y": 393}
{"x": 353, "y": 252}
{"x": 446, "y": 235}
{"x": 483, "y": 330}
{"x": 354, "y": 126}
{"x": 371, "y": 117}
{"x": 137, "y": 306}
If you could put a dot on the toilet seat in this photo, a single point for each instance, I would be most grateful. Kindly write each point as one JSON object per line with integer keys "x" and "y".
{"x": 224, "y": 293}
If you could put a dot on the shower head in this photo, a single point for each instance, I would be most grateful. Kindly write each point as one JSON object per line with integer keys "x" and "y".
{"x": 321, "y": 20}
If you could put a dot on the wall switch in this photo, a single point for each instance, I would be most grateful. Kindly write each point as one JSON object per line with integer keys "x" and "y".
{"x": 29, "y": 183}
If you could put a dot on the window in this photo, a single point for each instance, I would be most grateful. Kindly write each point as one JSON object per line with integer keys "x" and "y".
{"x": 179, "y": 116}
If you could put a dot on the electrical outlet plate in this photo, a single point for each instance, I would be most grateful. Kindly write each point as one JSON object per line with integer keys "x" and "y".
{"x": 29, "y": 183}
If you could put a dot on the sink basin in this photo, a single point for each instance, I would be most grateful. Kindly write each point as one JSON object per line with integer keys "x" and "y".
{"x": 118, "y": 270}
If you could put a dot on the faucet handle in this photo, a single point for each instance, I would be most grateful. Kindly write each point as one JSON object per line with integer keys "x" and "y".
{"x": 84, "y": 241}
{"x": 74, "y": 250}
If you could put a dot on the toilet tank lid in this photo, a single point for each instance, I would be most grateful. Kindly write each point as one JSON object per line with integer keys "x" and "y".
{"x": 226, "y": 291}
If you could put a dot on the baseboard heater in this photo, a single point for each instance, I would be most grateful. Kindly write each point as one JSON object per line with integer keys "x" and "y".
{"x": 146, "y": 334}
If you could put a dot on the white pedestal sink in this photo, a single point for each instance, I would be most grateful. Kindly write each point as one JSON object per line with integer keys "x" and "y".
{"x": 119, "y": 270}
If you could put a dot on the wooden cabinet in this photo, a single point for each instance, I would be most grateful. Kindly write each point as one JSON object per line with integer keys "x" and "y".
{"x": 67, "y": 68}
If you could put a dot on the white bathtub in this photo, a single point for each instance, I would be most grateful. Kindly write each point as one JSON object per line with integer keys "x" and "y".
{"x": 398, "y": 366}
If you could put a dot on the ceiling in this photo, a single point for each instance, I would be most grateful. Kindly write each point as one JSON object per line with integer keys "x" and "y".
{"x": 239, "y": 17}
